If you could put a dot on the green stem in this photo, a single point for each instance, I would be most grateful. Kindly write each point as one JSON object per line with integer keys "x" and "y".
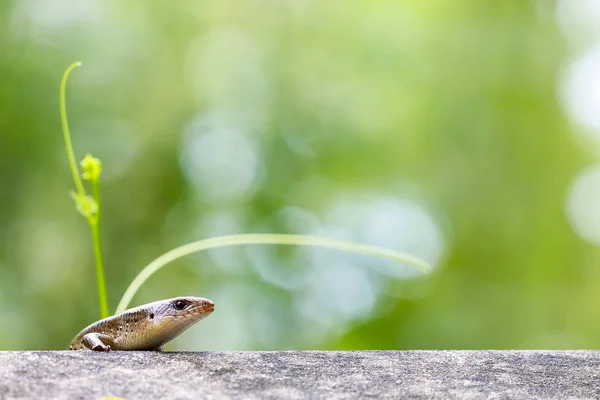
{"x": 102, "y": 297}
{"x": 305, "y": 240}
{"x": 93, "y": 220}
{"x": 96, "y": 194}
{"x": 65, "y": 126}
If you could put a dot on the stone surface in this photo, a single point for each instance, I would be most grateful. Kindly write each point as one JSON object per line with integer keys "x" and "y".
{"x": 301, "y": 374}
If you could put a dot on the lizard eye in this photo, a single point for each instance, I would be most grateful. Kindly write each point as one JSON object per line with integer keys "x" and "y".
{"x": 180, "y": 305}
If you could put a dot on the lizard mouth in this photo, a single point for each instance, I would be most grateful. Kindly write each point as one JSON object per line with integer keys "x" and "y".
{"x": 206, "y": 307}
{"x": 209, "y": 307}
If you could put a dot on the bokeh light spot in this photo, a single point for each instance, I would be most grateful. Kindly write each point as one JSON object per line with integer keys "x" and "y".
{"x": 580, "y": 91}
{"x": 583, "y": 205}
{"x": 221, "y": 162}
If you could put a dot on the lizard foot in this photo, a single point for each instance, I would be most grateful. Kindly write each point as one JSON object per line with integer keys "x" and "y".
{"x": 97, "y": 341}
{"x": 101, "y": 347}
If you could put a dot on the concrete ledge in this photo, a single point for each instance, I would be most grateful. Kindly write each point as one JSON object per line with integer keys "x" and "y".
{"x": 301, "y": 374}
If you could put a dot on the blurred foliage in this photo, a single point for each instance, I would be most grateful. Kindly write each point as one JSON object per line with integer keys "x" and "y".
{"x": 429, "y": 127}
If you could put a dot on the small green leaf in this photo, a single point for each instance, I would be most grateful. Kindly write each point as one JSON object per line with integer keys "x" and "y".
{"x": 91, "y": 167}
{"x": 86, "y": 205}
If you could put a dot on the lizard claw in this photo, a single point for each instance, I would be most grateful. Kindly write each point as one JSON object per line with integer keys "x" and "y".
{"x": 96, "y": 341}
{"x": 101, "y": 347}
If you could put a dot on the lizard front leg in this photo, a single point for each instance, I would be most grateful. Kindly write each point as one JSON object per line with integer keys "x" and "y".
{"x": 97, "y": 341}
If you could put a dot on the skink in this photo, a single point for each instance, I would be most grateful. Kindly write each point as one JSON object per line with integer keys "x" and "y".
{"x": 147, "y": 327}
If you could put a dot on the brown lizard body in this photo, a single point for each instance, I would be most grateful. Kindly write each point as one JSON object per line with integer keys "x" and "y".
{"x": 146, "y": 327}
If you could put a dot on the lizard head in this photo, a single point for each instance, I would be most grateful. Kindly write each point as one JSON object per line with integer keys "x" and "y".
{"x": 168, "y": 318}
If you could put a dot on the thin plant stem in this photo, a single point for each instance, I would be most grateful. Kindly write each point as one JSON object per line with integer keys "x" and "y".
{"x": 102, "y": 298}
{"x": 93, "y": 219}
{"x": 65, "y": 126}
{"x": 94, "y": 226}
{"x": 96, "y": 194}
{"x": 245, "y": 239}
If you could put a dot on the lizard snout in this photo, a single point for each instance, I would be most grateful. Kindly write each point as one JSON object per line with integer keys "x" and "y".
{"x": 207, "y": 305}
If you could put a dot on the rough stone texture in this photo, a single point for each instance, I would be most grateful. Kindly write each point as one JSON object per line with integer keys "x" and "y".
{"x": 301, "y": 374}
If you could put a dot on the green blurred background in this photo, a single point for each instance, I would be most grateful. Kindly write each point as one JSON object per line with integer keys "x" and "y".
{"x": 465, "y": 133}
